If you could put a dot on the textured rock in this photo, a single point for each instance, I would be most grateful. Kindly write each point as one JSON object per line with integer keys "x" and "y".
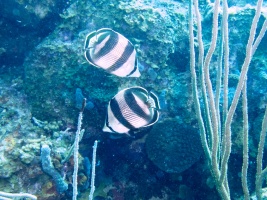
{"x": 23, "y": 24}
{"x": 20, "y": 140}
{"x": 57, "y": 66}
{"x": 173, "y": 147}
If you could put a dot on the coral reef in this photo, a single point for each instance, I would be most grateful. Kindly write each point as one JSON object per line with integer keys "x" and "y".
{"x": 41, "y": 107}
{"x": 21, "y": 138}
{"x": 59, "y": 65}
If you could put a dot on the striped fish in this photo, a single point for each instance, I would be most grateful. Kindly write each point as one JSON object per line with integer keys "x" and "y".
{"x": 112, "y": 52}
{"x": 131, "y": 109}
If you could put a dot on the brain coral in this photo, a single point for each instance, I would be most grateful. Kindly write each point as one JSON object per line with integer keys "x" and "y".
{"x": 172, "y": 146}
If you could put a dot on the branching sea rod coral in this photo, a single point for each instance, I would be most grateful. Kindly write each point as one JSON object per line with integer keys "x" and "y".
{"x": 212, "y": 125}
{"x": 5, "y": 195}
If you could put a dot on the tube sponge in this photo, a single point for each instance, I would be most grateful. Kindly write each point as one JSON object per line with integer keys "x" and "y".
{"x": 48, "y": 168}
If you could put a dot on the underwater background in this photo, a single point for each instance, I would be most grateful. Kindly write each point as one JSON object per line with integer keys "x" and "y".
{"x": 44, "y": 76}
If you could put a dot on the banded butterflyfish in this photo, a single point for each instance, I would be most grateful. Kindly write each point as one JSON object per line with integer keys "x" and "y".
{"x": 130, "y": 110}
{"x": 112, "y": 52}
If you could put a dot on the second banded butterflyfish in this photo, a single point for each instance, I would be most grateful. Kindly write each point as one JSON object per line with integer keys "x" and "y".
{"x": 112, "y": 52}
{"x": 131, "y": 109}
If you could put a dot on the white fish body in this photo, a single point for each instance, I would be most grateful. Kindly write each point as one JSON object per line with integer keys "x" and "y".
{"x": 112, "y": 52}
{"x": 131, "y": 109}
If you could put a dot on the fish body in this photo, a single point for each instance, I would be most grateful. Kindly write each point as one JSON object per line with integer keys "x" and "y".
{"x": 112, "y": 52}
{"x": 131, "y": 109}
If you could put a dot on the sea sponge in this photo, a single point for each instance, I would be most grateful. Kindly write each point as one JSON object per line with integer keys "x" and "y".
{"x": 48, "y": 168}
